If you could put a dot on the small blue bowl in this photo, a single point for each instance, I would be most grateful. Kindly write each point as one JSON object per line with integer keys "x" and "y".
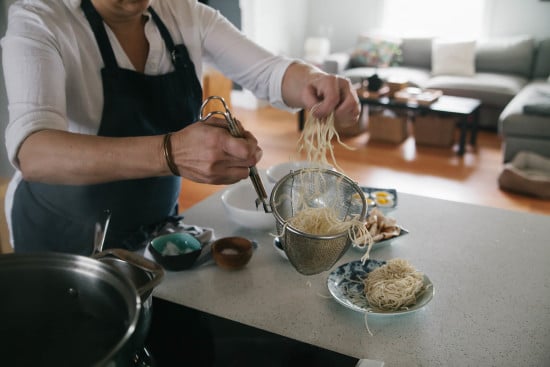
{"x": 175, "y": 251}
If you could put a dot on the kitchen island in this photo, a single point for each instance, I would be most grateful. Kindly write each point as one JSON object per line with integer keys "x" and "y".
{"x": 489, "y": 267}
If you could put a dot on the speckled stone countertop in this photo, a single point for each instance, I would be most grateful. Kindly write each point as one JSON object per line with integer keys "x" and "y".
{"x": 490, "y": 269}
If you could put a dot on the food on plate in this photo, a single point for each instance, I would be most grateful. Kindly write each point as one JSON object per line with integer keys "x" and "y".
{"x": 381, "y": 227}
{"x": 394, "y": 286}
{"x": 383, "y": 198}
{"x": 382, "y": 201}
{"x": 382, "y": 194}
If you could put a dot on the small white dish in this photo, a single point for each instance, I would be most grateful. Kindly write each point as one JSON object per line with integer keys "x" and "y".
{"x": 239, "y": 201}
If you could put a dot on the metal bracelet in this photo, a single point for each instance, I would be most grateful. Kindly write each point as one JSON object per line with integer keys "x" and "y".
{"x": 167, "y": 147}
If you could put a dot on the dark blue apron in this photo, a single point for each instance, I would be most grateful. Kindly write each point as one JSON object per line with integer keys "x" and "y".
{"x": 62, "y": 217}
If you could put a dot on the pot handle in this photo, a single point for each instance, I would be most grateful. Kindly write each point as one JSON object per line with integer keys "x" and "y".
{"x": 154, "y": 269}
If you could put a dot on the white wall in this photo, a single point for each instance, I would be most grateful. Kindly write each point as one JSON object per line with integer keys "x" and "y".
{"x": 348, "y": 18}
{"x": 272, "y": 25}
{"x": 513, "y": 17}
{"x": 345, "y": 19}
{"x": 283, "y": 25}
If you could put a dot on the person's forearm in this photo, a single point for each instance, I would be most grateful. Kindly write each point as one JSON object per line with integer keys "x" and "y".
{"x": 60, "y": 157}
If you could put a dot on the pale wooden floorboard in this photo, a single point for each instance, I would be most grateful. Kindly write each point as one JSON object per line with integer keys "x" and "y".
{"x": 427, "y": 171}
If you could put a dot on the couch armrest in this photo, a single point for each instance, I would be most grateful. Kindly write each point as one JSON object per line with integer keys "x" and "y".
{"x": 336, "y": 63}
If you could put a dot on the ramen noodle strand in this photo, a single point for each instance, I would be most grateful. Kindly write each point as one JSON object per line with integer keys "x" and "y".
{"x": 393, "y": 286}
{"x": 316, "y": 140}
{"x": 367, "y": 325}
{"x": 324, "y": 221}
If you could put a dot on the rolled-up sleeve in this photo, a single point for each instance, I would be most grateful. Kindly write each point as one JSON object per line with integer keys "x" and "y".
{"x": 35, "y": 81}
{"x": 242, "y": 60}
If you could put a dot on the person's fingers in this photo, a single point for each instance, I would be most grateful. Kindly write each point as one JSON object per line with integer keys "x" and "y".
{"x": 349, "y": 110}
{"x": 207, "y": 152}
{"x": 322, "y": 96}
{"x": 329, "y": 93}
{"x": 242, "y": 150}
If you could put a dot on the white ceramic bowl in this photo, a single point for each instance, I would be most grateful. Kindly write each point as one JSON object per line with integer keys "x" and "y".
{"x": 278, "y": 171}
{"x": 239, "y": 201}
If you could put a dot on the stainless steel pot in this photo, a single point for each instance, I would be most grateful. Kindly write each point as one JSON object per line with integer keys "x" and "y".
{"x": 145, "y": 276}
{"x": 70, "y": 310}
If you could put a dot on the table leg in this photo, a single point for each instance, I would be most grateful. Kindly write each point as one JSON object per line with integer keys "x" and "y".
{"x": 475, "y": 124}
{"x": 463, "y": 129}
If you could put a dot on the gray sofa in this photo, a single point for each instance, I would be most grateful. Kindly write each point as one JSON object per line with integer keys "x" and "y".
{"x": 503, "y": 68}
{"x": 525, "y": 122}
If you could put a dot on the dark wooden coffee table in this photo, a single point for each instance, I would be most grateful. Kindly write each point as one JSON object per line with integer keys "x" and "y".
{"x": 465, "y": 109}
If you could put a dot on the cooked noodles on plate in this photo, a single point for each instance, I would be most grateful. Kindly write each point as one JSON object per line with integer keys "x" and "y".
{"x": 346, "y": 285}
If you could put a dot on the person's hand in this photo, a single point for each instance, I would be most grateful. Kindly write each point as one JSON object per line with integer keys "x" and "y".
{"x": 206, "y": 152}
{"x": 325, "y": 93}
{"x": 320, "y": 93}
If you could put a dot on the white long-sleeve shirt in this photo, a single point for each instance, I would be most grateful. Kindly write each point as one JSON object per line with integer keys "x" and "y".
{"x": 52, "y": 64}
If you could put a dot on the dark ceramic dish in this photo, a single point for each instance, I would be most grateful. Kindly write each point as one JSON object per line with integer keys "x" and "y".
{"x": 175, "y": 251}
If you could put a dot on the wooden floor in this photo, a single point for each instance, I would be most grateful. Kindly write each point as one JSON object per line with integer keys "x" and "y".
{"x": 427, "y": 171}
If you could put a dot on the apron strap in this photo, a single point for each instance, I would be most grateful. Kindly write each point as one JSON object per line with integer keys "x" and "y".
{"x": 163, "y": 30}
{"x": 179, "y": 55}
{"x": 96, "y": 22}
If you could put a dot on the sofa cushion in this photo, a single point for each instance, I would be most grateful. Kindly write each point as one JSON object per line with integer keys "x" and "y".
{"x": 541, "y": 67}
{"x": 453, "y": 57}
{"x": 541, "y": 108}
{"x": 417, "y": 52}
{"x": 491, "y": 89}
{"x": 509, "y": 55}
{"x": 513, "y": 120}
{"x": 375, "y": 51}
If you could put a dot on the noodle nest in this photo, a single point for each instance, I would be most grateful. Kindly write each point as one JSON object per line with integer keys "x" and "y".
{"x": 394, "y": 286}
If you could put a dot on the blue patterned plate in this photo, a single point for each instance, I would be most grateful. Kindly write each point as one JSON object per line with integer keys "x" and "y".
{"x": 346, "y": 286}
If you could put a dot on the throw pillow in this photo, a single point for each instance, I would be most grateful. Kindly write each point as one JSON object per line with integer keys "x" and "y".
{"x": 453, "y": 57}
{"x": 375, "y": 52}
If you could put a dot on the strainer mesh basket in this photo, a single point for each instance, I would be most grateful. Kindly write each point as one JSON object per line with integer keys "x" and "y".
{"x": 316, "y": 188}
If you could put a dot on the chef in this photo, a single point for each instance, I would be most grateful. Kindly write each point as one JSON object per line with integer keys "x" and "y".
{"x": 104, "y": 97}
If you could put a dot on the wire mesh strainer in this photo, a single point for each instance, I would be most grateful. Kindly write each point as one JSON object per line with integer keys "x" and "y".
{"x": 312, "y": 254}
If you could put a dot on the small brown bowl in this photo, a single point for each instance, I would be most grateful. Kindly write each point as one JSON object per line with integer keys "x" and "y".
{"x": 232, "y": 253}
